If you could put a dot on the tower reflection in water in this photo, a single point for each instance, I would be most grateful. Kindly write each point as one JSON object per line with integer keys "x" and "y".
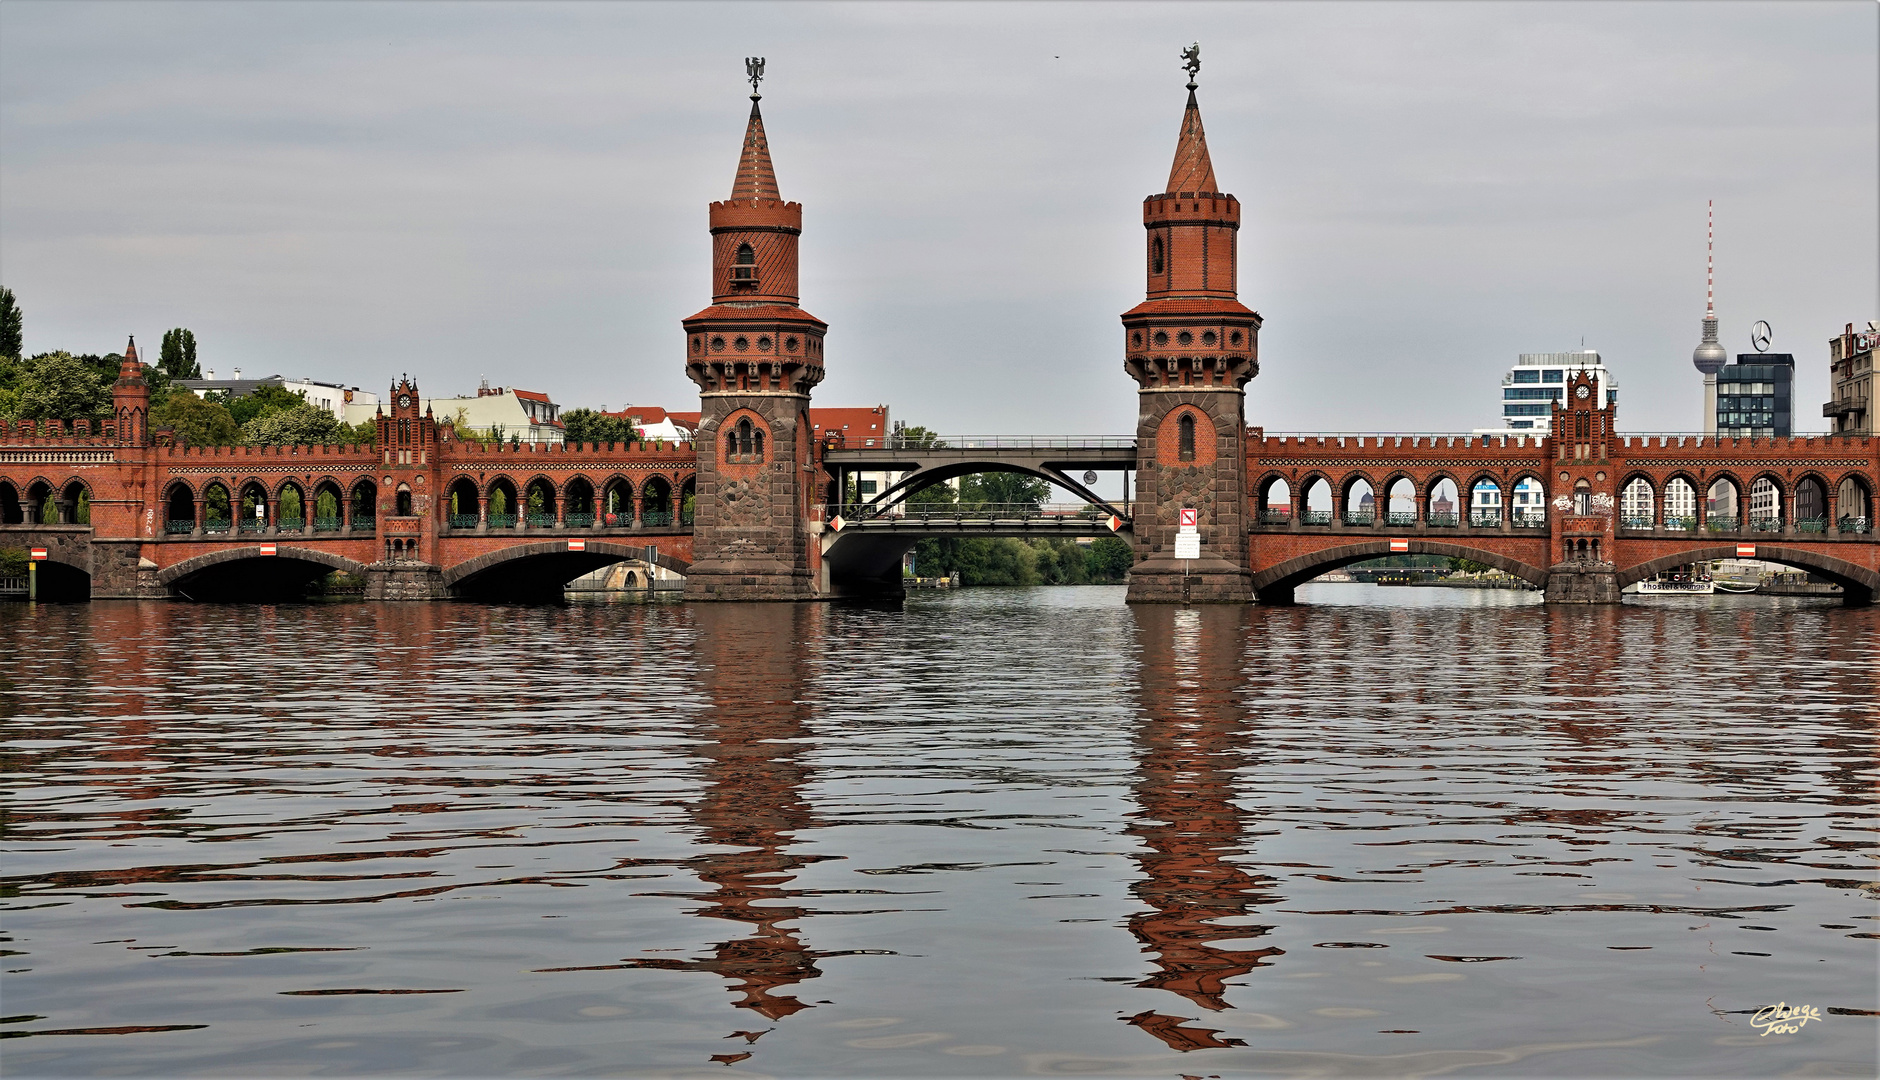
{"x": 1190, "y": 746}
{"x": 752, "y": 671}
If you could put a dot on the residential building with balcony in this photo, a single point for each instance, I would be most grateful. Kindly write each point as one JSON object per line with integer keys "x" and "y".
{"x": 1850, "y": 362}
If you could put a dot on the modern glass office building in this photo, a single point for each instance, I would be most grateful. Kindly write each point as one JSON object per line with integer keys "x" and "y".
{"x": 1754, "y": 396}
{"x": 1537, "y": 380}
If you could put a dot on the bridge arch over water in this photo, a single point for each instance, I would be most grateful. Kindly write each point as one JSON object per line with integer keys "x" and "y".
{"x": 245, "y": 574}
{"x": 1275, "y": 584}
{"x": 542, "y": 570}
{"x": 1858, "y": 584}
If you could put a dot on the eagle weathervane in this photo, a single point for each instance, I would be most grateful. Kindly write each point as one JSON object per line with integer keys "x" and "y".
{"x": 1191, "y": 62}
{"x": 754, "y": 71}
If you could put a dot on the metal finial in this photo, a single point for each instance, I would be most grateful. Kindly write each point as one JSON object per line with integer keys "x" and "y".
{"x": 1191, "y": 62}
{"x": 754, "y": 71}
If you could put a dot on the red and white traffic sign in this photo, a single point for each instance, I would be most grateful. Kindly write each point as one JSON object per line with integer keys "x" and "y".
{"x": 836, "y": 523}
{"x": 1746, "y": 551}
{"x": 577, "y": 545}
{"x": 1116, "y": 523}
{"x": 39, "y": 554}
{"x": 269, "y": 549}
{"x": 1397, "y": 546}
{"x": 1189, "y": 517}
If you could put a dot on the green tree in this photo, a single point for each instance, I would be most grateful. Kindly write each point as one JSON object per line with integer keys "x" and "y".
{"x": 1109, "y": 559}
{"x": 326, "y": 505}
{"x": 177, "y": 360}
{"x": 589, "y": 426}
{"x": 290, "y": 505}
{"x": 364, "y": 433}
{"x": 215, "y": 503}
{"x": 1003, "y": 487}
{"x": 13, "y": 562}
{"x": 81, "y": 513}
{"x": 196, "y": 422}
{"x": 305, "y": 424}
{"x": 267, "y": 398}
{"x": 499, "y": 502}
{"x": 60, "y": 386}
{"x": 11, "y": 325}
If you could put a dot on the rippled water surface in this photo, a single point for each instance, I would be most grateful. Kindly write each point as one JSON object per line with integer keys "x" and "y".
{"x": 992, "y": 833}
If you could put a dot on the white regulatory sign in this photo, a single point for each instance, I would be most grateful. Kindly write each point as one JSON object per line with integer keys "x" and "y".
{"x": 1188, "y": 545}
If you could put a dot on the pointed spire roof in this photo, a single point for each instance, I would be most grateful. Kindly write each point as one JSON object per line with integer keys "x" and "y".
{"x": 1193, "y": 171}
{"x": 756, "y": 179}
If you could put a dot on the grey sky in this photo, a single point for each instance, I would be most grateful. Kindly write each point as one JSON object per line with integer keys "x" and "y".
{"x": 353, "y": 190}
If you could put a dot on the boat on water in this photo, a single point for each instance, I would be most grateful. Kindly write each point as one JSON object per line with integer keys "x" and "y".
{"x": 1677, "y": 584}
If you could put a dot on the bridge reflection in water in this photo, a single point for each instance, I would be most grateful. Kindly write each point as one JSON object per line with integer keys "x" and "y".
{"x": 1191, "y": 748}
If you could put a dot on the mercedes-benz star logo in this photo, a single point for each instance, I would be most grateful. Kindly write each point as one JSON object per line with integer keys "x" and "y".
{"x": 1760, "y": 336}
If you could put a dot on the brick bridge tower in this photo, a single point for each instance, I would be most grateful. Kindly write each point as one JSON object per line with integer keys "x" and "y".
{"x": 1584, "y": 484}
{"x": 1191, "y": 346}
{"x": 755, "y": 356}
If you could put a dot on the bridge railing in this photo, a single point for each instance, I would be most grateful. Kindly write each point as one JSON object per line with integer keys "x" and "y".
{"x": 1000, "y": 442}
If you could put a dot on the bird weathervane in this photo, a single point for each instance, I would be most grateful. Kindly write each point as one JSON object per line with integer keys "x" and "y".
{"x": 754, "y": 71}
{"x": 1191, "y": 62}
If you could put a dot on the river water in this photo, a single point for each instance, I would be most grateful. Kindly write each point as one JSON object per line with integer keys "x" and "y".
{"x": 1386, "y": 832}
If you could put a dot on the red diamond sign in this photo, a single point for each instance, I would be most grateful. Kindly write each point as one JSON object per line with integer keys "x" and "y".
{"x": 1116, "y": 523}
{"x": 836, "y": 523}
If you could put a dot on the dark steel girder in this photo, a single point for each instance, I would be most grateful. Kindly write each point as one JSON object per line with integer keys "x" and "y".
{"x": 927, "y": 466}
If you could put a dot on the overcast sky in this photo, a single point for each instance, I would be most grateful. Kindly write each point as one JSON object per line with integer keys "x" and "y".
{"x": 353, "y": 190}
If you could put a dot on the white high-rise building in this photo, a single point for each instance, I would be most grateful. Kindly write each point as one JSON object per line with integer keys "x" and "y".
{"x": 1537, "y": 380}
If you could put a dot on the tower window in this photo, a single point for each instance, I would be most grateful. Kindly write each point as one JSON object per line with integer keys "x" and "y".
{"x": 1155, "y": 255}
{"x": 1185, "y": 437}
{"x": 745, "y": 442}
{"x": 744, "y": 266}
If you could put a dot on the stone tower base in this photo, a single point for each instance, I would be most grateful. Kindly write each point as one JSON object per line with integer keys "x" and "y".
{"x": 405, "y": 581}
{"x": 1582, "y": 583}
{"x": 1207, "y": 581}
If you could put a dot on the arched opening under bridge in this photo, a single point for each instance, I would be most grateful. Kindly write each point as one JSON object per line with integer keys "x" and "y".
{"x": 245, "y": 576}
{"x": 1858, "y": 584}
{"x": 538, "y": 573}
{"x": 1275, "y": 584}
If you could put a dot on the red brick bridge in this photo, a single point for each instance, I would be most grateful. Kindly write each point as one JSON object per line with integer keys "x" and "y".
{"x": 747, "y": 511}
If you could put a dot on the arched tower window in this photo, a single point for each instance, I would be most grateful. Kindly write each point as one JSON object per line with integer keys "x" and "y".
{"x": 1155, "y": 255}
{"x": 1185, "y": 437}
{"x": 745, "y": 442}
{"x": 744, "y": 266}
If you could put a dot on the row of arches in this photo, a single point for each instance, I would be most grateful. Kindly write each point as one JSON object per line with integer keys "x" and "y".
{"x": 1355, "y": 500}
{"x": 43, "y": 504}
{"x": 538, "y": 503}
{"x": 1814, "y": 504}
{"x": 290, "y": 507}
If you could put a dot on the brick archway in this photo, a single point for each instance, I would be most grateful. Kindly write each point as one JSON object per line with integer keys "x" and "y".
{"x": 1859, "y": 583}
{"x": 599, "y": 552}
{"x": 170, "y": 575}
{"x": 1276, "y": 583}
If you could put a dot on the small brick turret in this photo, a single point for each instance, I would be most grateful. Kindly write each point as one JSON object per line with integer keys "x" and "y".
{"x": 130, "y": 399}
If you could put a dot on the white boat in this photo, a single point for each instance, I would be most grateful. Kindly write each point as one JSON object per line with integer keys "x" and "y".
{"x": 1684, "y": 586}
{"x": 1738, "y": 586}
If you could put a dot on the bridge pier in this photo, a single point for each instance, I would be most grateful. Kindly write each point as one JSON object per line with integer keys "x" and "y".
{"x": 405, "y": 581}
{"x": 1582, "y": 583}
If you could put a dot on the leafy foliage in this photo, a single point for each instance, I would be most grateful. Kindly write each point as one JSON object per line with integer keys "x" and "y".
{"x": 177, "y": 359}
{"x": 1007, "y": 561}
{"x": 589, "y": 426}
{"x": 267, "y": 398}
{"x": 11, "y": 325}
{"x": 197, "y": 422}
{"x": 305, "y": 424}
{"x": 56, "y": 386}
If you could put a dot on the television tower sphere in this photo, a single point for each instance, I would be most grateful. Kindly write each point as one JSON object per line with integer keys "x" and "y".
{"x": 1709, "y": 357}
